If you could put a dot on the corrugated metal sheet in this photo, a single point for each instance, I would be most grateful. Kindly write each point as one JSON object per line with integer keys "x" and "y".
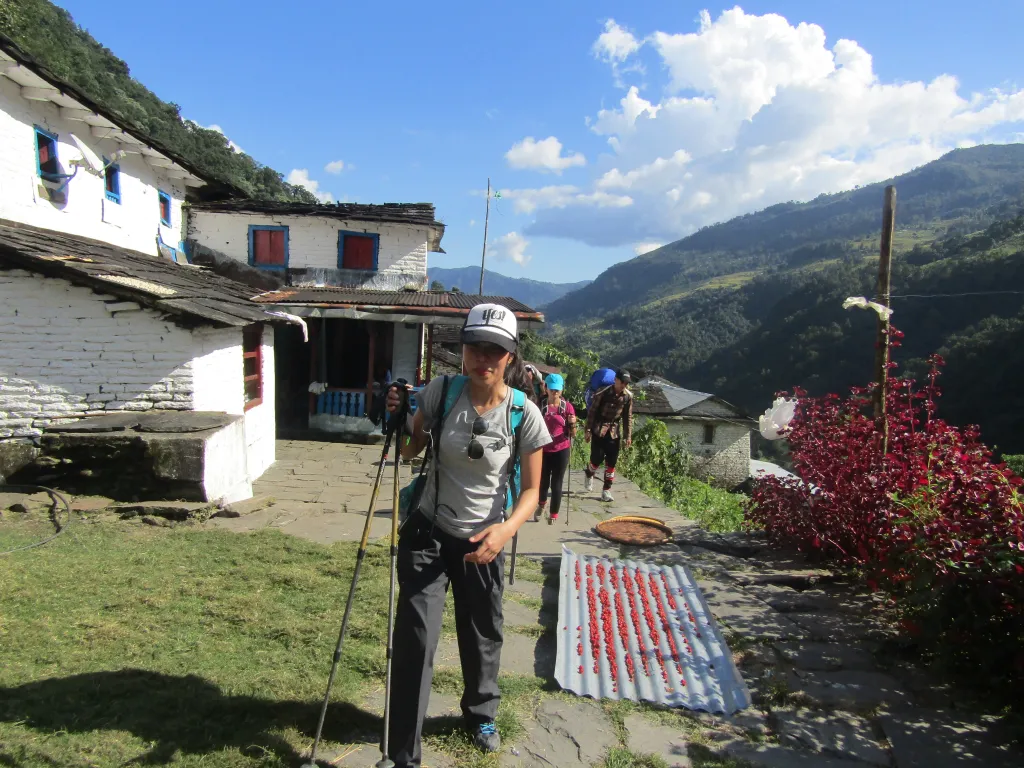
{"x": 633, "y": 630}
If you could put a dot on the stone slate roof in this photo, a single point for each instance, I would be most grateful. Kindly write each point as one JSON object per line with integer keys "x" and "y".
{"x": 448, "y": 302}
{"x": 11, "y": 50}
{"x": 421, "y": 214}
{"x": 193, "y": 295}
{"x": 669, "y": 400}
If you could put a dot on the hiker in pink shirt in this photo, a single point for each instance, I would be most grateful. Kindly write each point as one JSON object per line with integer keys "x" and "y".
{"x": 560, "y": 418}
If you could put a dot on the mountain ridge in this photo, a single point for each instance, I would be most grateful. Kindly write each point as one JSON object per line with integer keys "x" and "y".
{"x": 535, "y": 293}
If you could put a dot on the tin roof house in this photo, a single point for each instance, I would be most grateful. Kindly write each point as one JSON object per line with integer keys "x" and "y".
{"x": 357, "y": 274}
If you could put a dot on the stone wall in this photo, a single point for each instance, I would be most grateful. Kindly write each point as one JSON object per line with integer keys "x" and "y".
{"x": 726, "y": 461}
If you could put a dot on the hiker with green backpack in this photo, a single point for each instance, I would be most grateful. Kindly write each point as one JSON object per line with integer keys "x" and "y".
{"x": 482, "y": 435}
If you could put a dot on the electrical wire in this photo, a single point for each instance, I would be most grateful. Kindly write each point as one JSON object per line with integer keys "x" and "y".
{"x": 950, "y": 295}
{"x": 56, "y": 497}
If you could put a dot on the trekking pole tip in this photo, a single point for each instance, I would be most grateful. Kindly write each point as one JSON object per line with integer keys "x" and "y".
{"x": 384, "y": 763}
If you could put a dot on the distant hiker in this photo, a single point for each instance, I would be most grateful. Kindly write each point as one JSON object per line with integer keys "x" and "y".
{"x": 560, "y": 417}
{"x": 608, "y": 407}
{"x": 536, "y": 390}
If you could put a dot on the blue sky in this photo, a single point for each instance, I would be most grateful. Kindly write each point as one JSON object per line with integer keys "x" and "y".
{"x": 608, "y": 127}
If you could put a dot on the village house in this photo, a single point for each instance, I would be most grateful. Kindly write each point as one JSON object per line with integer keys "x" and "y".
{"x": 357, "y": 275}
{"x": 716, "y": 433}
{"x": 102, "y": 316}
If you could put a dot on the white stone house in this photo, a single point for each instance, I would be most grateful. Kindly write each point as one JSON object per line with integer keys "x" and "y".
{"x": 357, "y": 274}
{"x": 716, "y": 433}
{"x": 100, "y": 311}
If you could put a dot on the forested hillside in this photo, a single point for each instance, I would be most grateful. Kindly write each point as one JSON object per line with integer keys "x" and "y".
{"x": 957, "y": 190}
{"x": 50, "y": 35}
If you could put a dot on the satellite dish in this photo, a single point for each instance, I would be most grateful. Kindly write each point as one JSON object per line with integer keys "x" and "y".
{"x": 90, "y": 159}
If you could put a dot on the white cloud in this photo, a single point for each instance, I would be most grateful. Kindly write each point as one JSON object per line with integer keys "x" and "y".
{"x": 300, "y": 177}
{"x": 544, "y": 155}
{"x": 472, "y": 222}
{"x": 755, "y": 110}
{"x": 615, "y": 43}
{"x": 335, "y": 166}
{"x": 562, "y": 196}
{"x": 641, "y": 248}
{"x": 510, "y": 247}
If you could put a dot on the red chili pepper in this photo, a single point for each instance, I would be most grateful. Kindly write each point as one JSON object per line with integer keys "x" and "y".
{"x": 635, "y": 617}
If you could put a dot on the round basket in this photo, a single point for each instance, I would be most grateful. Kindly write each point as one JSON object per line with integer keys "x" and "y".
{"x": 634, "y": 530}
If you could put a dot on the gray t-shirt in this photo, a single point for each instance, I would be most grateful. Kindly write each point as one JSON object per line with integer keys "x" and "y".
{"x": 473, "y": 492}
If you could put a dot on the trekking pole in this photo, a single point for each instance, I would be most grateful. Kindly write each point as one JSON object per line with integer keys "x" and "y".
{"x": 512, "y": 568}
{"x": 568, "y": 483}
{"x": 391, "y": 431}
{"x": 385, "y": 761}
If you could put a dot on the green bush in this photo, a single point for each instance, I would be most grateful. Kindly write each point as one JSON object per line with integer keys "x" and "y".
{"x": 1015, "y": 463}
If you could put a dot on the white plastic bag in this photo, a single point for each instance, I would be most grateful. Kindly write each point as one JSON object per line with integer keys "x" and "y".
{"x": 860, "y": 302}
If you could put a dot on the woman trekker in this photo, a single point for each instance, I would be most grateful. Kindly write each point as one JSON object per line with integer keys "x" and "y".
{"x": 458, "y": 533}
{"x": 560, "y": 419}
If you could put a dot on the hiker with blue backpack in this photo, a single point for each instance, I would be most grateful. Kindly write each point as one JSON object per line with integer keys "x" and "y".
{"x": 476, "y": 426}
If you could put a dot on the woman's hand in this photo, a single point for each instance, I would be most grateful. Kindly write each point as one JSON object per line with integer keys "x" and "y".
{"x": 492, "y": 541}
{"x": 394, "y": 401}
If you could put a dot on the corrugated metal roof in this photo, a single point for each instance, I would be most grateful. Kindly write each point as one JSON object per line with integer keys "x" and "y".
{"x": 330, "y": 295}
{"x": 422, "y": 214}
{"x": 633, "y": 630}
{"x": 665, "y": 400}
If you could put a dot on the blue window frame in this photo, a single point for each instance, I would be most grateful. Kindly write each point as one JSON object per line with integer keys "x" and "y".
{"x": 112, "y": 181}
{"x": 46, "y": 155}
{"x": 358, "y": 250}
{"x": 165, "y": 208}
{"x": 268, "y": 246}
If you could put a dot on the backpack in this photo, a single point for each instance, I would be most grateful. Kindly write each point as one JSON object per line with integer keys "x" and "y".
{"x": 451, "y": 389}
{"x": 600, "y": 379}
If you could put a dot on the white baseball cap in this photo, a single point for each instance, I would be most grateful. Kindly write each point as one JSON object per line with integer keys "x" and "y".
{"x": 491, "y": 323}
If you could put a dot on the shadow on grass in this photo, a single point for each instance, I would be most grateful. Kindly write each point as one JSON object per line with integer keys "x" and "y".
{"x": 173, "y": 713}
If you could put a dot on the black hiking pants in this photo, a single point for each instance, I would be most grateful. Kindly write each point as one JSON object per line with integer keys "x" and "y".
{"x": 428, "y": 561}
{"x": 604, "y": 450}
{"x": 552, "y": 475}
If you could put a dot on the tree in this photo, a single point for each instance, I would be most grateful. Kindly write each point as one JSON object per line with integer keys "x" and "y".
{"x": 436, "y": 285}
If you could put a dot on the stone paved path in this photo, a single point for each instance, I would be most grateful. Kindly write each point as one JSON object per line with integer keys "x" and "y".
{"x": 808, "y": 645}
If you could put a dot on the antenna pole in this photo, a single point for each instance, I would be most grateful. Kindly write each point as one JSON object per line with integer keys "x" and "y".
{"x": 487, "y": 218}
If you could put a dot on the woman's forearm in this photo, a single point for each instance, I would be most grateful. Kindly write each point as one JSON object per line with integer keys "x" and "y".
{"x": 524, "y": 509}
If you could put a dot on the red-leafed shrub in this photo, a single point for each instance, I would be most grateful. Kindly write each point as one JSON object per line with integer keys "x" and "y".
{"x": 933, "y": 520}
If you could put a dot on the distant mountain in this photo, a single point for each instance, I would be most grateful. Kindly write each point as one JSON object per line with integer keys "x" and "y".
{"x": 533, "y": 293}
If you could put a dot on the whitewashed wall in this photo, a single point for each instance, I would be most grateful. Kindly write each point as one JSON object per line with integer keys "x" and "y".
{"x": 313, "y": 241}
{"x": 67, "y": 352}
{"x": 218, "y": 386}
{"x": 133, "y": 223}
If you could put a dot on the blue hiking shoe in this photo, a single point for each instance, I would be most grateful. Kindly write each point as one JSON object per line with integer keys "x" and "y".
{"x": 486, "y": 737}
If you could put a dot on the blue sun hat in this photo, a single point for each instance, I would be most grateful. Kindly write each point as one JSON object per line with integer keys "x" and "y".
{"x": 554, "y": 381}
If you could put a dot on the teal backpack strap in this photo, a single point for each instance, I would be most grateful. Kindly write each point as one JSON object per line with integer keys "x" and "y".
{"x": 457, "y": 384}
{"x": 515, "y": 419}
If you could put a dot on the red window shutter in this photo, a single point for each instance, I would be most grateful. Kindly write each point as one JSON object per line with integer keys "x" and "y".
{"x": 358, "y": 252}
{"x": 276, "y": 247}
{"x": 44, "y": 153}
{"x": 261, "y": 247}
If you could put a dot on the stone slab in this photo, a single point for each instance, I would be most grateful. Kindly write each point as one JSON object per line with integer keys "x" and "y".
{"x": 837, "y": 627}
{"x": 847, "y": 689}
{"x": 747, "y": 615}
{"x": 836, "y": 734}
{"x": 939, "y": 739}
{"x": 645, "y": 738}
{"x": 778, "y": 756}
{"x": 367, "y": 754}
{"x": 563, "y": 733}
{"x": 247, "y": 506}
{"x": 824, "y": 657}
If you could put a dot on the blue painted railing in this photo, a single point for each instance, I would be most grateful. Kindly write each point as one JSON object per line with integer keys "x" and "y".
{"x": 346, "y": 402}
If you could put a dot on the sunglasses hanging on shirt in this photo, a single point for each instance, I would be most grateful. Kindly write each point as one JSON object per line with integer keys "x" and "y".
{"x": 476, "y": 448}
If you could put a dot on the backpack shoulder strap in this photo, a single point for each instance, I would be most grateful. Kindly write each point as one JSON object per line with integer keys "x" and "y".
{"x": 516, "y": 410}
{"x": 458, "y": 383}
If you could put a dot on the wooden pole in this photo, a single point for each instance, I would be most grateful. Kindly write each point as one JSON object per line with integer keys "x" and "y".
{"x": 487, "y": 218}
{"x": 882, "y": 297}
{"x": 430, "y": 353}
